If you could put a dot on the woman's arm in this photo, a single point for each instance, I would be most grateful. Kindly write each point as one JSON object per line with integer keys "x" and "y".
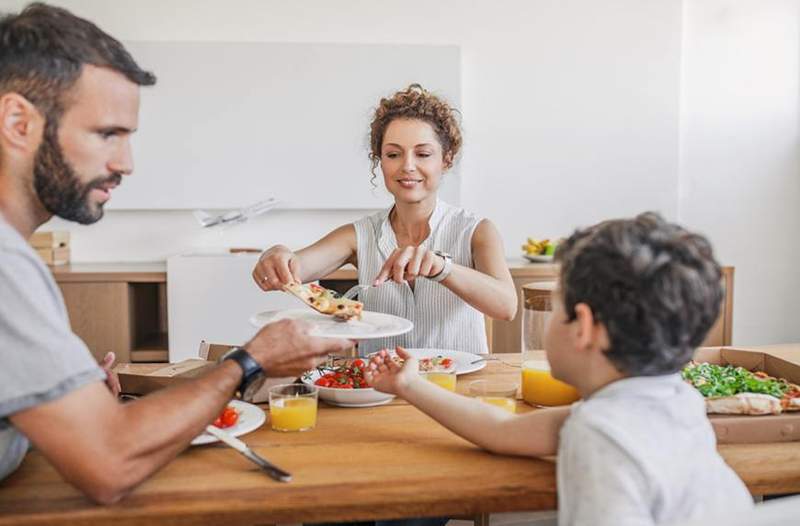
{"x": 278, "y": 265}
{"x": 489, "y": 287}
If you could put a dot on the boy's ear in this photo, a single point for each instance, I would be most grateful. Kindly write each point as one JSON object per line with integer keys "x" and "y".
{"x": 590, "y": 334}
{"x": 21, "y": 124}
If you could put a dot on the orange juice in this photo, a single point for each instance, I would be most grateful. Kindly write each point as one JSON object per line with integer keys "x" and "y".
{"x": 500, "y": 401}
{"x": 293, "y": 414}
{"x": 446, "y": 380}
{"x": 540, "y": 388}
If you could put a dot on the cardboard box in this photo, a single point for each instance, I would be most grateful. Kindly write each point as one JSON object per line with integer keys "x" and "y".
{"x": 742, "y": 429}
{"x": 49, "y": 239}
{"x": 141, "y": 379}
{"x": 54, "y": 256}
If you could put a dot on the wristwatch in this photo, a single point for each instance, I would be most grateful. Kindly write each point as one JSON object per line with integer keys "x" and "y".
{"x": 253, "y": 375}
{"x": 446, "y": 269}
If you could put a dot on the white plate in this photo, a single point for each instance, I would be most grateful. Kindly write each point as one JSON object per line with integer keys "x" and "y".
{"x": 538, "y": 258}
{"x": 364, "y": 397}
{"x": 251, "y": 417}
{"x": 371, "y": 324}
{"x": 463, "y": 360}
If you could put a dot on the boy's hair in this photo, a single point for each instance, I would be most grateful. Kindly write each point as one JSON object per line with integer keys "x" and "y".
{"x": 654, "y": 285}
{"x": 43, "y": 50}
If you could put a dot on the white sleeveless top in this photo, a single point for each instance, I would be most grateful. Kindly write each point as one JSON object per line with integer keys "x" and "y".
{"x": 441, "y": 319}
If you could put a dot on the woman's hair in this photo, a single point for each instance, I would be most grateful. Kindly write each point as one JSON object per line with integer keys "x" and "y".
{"x": 654, "y": 285}
{"x": 415, "y": 102}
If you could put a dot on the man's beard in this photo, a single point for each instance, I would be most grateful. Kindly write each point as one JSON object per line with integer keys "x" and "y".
{"x": 58, "y": 186}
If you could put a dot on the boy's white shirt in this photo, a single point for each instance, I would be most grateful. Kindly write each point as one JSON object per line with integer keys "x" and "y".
{"x": 641, "y": 451}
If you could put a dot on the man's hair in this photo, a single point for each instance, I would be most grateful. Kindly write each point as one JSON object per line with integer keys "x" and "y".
{"x": 654, "y": 285}
{"x": 43, "y": 50}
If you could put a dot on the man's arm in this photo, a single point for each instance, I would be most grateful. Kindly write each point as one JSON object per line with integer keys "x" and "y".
{"x": 106, "y": 449}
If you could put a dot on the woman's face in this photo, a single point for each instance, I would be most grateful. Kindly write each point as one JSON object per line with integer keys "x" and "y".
{"x": 411, "y": 160}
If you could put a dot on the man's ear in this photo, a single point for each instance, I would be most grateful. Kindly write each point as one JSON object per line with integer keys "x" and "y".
{"x": 590, "y": 334}
{"x": 21, "y": 124}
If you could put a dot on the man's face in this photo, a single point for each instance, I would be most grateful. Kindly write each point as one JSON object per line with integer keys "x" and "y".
{"x": 83, "y": 157}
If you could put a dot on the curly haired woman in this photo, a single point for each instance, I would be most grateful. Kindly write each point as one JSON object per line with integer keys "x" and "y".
{"x": 414, "y": 139}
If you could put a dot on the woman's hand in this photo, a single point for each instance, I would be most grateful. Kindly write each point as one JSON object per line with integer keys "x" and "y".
{"x": 275, "y": 268}
{"x": 385, "y": 375}
{"x": 408, "y": 263}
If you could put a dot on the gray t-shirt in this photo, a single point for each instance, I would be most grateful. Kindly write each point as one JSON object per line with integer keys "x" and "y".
{"x": 641, "y": 451}
{"x": 40, "y": 357}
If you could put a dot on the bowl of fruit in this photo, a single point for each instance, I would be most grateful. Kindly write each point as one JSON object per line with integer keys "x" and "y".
{"x": 342, "y": 383}
{"x": 539, "y": 250}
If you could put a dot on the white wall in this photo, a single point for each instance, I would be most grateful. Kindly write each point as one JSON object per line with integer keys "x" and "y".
{"x": 570, "y": 107}
{"x": 573, "y": 110}
{"x": 740, "y": 154}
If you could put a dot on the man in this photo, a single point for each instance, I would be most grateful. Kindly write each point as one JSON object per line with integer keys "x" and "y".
{"x": 69, "y": 101}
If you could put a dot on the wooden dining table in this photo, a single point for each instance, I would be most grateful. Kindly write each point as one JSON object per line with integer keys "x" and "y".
{"x": 382, "y": 462}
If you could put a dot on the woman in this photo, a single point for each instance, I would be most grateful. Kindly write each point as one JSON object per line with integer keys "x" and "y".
{"x": 414, "y": 138}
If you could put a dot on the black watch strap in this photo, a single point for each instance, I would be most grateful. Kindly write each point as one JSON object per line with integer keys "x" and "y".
{"x": 251, "y": 370}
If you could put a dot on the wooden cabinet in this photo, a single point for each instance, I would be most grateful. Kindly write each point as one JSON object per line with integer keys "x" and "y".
{"x": 118, "y": 307}
{"x": 123, "y": 307}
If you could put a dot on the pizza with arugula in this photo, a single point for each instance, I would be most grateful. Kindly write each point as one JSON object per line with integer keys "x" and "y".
{"x": 733, "y": 390}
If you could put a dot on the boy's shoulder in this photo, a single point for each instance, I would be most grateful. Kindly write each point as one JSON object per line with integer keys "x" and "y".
{"x": 636, "y": 409}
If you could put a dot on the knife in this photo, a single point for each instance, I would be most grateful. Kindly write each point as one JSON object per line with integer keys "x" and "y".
{"x": 273, "y": 471}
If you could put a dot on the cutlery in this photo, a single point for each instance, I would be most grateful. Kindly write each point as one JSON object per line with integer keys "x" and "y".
{"x": 352, "y": 292}
{"x": 484, "y": 359}
{"x": 273, "y": 471}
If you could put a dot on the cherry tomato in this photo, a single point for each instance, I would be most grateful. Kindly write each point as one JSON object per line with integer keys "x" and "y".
{"x": 358, "y": 364}
{"x": 229, "y": 417}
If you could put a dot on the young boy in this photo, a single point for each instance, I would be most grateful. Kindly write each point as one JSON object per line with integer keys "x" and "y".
{"x": 635, "y": 298}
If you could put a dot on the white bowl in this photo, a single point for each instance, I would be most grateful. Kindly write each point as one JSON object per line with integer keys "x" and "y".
{"x": 363, "y": 397}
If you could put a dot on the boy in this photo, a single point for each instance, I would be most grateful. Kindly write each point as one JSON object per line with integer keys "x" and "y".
{"x": 635, "y": 298}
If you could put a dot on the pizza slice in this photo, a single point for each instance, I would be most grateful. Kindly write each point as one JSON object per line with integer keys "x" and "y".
{"x": 326, "y": 301}
{"x": 735, "y": 390}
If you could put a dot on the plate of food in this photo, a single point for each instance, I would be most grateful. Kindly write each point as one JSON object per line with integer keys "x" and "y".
{"x": 343, "y": 384}
{"x": 237, "y": 418}
{"x": 539, "y": 250}
{"x": 371, "y": 324}
{"x": 443, "y": 359}
{"x": 732, "y": 390}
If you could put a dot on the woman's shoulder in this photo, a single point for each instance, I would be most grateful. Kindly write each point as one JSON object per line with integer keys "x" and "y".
{"x": 461, "y": 217}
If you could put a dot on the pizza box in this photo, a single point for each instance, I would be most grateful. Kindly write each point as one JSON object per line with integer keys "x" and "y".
{"x": 743, "y": 429}
{"x": 141, "y": 379}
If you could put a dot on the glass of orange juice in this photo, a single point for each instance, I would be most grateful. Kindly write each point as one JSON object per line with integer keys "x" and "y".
{"x": 495, "y": 392}
{"x": 539, "y": 388}
{"x": 293, "y": 407}
{"x": 442, "y": 377}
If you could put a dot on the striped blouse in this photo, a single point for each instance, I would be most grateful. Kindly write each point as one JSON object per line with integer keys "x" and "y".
{"x": 441, "y": 319}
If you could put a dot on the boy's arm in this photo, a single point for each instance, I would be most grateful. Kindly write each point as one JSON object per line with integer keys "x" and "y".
{"x": 532, "y": 434}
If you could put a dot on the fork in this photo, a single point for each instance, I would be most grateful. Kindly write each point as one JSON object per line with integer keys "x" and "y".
{"x": 352, "y": 292}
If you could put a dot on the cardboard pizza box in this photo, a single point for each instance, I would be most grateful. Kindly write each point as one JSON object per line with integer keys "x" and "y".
{"x": 49, "y": 239}
{"x": 743, "y": 429}
{"x": 141, "y": 379}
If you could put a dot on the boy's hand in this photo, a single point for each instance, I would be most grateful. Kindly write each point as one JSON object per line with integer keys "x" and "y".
{"x": 386, "y": 376}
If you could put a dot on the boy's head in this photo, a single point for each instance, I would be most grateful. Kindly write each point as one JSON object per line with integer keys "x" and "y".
{"x": 647, "y": 289}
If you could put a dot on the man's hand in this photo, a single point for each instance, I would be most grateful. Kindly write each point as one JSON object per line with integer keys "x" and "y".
{"x": 112, "y": 380}
{"x": 285, "y": 348}
{"x": 386, "y": 376}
